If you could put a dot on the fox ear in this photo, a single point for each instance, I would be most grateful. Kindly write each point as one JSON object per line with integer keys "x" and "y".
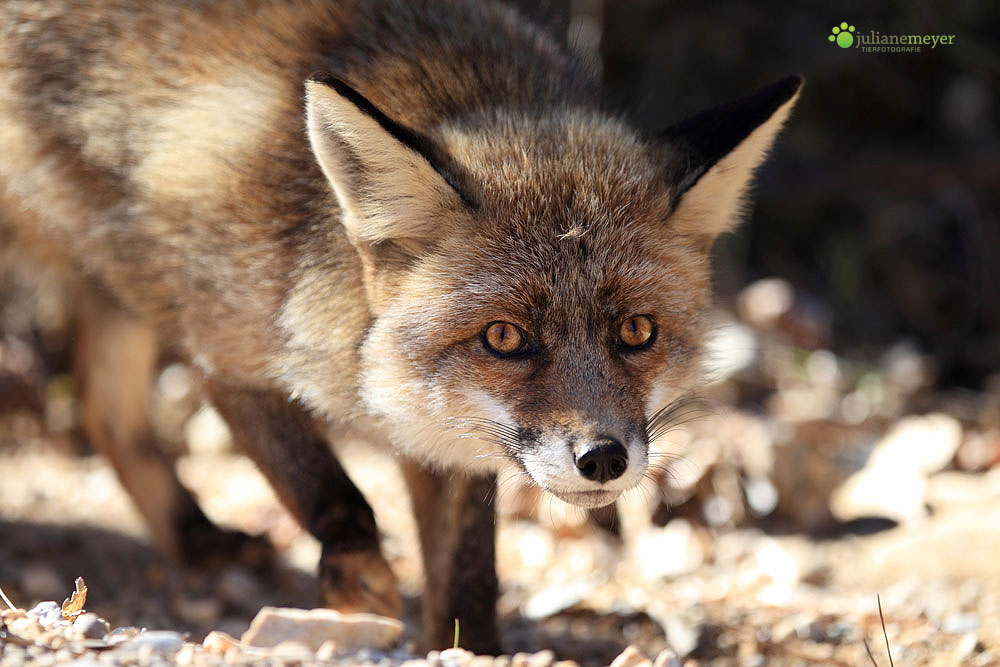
{"x": 392, "y": 183}
{"x": 715, "y": 153}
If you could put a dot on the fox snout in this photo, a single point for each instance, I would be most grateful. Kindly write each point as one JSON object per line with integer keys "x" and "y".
{"x": 602, "y": 460}
{"x": 582, "y": 467}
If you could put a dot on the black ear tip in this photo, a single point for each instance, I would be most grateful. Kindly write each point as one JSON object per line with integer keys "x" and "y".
{"x": 325, "y": 78}
{"x": 785, "y": 88}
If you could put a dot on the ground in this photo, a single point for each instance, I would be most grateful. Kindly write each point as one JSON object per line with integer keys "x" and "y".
{"x": 803, "y": 491}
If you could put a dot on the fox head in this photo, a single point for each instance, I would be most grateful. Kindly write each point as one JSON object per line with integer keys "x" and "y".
{"x": 537, "y": 281}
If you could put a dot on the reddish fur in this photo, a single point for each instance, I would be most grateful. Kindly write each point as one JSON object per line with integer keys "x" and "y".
{"x": 345, "y": 273}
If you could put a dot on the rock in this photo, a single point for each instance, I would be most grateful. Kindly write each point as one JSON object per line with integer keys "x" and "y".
{"x": 631, "y": 657}
{"x": 667, "y": 552}
{"x": 554, "y": 599}
{"x": 893, "y": 482}
{"x": 91, "y": 626}
{"x": 273, "y": 625}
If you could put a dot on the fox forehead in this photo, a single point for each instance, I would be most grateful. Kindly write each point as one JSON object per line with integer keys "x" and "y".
{"x": 567, "y": 161}
{"x": 587, "y": 279}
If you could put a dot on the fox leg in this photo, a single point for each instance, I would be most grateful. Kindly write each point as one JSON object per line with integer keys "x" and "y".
{"x": 115, "y": 359}
{"x": 457, "y": 524}
{"x": 284, "y": 442}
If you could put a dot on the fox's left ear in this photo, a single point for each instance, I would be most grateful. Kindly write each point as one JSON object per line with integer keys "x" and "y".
{"x": 393, "y": 183}
{"x": 714, "y": 154}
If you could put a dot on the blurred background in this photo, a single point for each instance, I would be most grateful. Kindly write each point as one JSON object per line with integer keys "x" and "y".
{"x": 849, "y": 442}
{"x": 879, "y": 205}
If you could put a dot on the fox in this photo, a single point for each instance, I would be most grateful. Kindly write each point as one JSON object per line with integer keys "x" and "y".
{"x": 417, "y": 222}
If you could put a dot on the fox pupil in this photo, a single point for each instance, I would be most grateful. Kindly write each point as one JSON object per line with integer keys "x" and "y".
{"x": 503, "y": 338}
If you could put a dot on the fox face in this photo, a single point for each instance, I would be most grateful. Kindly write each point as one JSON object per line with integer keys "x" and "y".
{"x": 537, "y": 284}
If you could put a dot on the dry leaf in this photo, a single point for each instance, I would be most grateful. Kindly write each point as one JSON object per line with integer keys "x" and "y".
{"x": 72, "y": 606}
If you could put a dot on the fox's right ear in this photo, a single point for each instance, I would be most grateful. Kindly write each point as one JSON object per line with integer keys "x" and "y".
{"x": 392, "y": 183}
{"x": 714, "y": 154}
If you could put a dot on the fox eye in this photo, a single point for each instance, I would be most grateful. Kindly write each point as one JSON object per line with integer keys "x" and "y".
{"x": 503, "y": 338}
{"x": 637, "y": 331}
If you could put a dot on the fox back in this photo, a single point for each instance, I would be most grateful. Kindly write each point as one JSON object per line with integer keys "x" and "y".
{"x": 414, "y": 217}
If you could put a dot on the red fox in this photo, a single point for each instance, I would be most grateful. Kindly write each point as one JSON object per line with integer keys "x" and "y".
{"x": 412, "y": 220}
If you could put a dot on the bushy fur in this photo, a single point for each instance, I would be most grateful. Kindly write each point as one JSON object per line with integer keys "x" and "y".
{"x": 333, "y": 247}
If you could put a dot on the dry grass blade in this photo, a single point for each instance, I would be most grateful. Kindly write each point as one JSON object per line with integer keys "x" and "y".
{"x": 868, "y": 649}
{"x": 6, "y": 599}
{"x": 888, "y": 650}
{"x": 73, "y": 605}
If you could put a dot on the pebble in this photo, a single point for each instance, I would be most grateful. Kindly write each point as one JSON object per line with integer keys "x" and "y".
{"x": 24, "y": 627}
{"x": 91, "y": 626}
{"x": 185, "y": 656}
{"x": 48, "y": 613}
{"x": 455, "y": 657}
{"x": 542, "y": 659}
{"x": 960, "y": 623}
{"x": 219, "y": 642}
{"x": 631, "y": 657}
{"x": 667, "y": 658}
{"x": 122, "y": 635}
{"x": 152, "y": 642}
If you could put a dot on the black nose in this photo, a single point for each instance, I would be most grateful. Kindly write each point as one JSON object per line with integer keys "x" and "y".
{"x": 602, "y": 460}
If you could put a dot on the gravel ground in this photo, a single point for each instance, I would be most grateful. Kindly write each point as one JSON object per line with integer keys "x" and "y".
{"x": 712, "y": 596}
{"x": 813, "y": 489}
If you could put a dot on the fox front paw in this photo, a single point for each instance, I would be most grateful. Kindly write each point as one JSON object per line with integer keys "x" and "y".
{"x": 359, "y": 581}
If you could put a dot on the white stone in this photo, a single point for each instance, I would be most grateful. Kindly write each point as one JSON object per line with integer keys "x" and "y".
{"x": 314, "y": 627}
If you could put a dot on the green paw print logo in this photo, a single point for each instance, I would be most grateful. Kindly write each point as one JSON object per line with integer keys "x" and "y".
{"x": 843, "y": 35}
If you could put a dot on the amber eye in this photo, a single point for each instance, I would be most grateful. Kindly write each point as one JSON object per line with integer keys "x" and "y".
{"x": 503, "y": 338}
{"x": 636, "y": 331}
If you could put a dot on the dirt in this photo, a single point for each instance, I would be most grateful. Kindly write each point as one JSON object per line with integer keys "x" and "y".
{"x": 804, "y": 491}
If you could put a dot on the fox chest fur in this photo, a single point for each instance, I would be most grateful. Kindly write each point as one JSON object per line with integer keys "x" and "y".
{"x": 414, "y": 216}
